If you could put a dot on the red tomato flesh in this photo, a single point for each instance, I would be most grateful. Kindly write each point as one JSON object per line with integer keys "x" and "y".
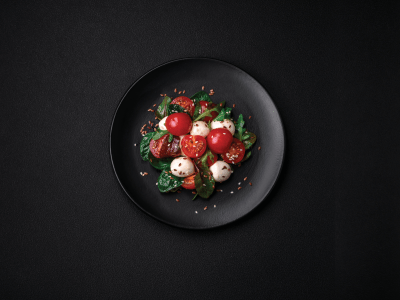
{"x": 219, "y": 140}
{"x": 235, "y": 153}
{"x": 188, "y": 182}
{"x": 186, "y": 103}
{"x": 178, "y": 123}
{"x": 194, "y": 145}
{"x": 207, "y": 105}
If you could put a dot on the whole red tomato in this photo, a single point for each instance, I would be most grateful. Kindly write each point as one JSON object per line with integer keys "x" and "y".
{"x": 235, "y": 153}
{"x": 186, "y": 103}
{"x": 219, "y": 140}
{"x": 178, "y": 123}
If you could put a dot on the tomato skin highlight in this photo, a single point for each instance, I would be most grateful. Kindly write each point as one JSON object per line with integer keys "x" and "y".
{"x": 193, "y": 146}
{"x": 235, "y": 153}
{"x": 188, "y": 182}
{"x": 186, "y": 103}
{"x": 178, "y": 123}
{"x": 207, "y": 105}
{"x": 219, "y": 140}
{"x": 162, "y": 148}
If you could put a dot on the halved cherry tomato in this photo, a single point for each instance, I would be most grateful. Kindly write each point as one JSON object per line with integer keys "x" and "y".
{"x": 219, "y": 140}
{"x": 178, "y": 123}
{"x": 235, "y": 153}
{"x": 207, "y": 105}
{"x": 162, "y": 148}
{"x": 188, "y": 182}
{"x": 194, "y": 145}
{"x": 186, "y": 103}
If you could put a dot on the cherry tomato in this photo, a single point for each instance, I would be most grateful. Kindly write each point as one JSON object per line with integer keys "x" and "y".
{"x": 186, "y": 103}
{"x": 178, "y": 123}
{"x": 235, "y": 153}
{"x": 194, "y": 145}
{"x": 162, "y": 148}
{"x": 210, "y": 161}
{"x": 207, "y": 105}
{"x": 219, "y": 140}
{"x": 188, "y": 182}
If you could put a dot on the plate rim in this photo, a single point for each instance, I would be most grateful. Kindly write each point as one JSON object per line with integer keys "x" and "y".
{"x": 179, "y": 225}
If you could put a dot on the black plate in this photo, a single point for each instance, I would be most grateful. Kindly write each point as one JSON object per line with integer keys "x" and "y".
{"x": 230, "y": 84}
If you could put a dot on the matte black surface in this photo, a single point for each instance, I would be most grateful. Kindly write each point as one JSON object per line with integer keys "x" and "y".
{"x": 231, "y": 85}
{"x": 330, "y": 227}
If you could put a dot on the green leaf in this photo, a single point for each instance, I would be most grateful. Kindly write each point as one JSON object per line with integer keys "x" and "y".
{"x": 145, "y": 146}
{"x": 160, "y": 163}
{"x": 175, "y": 108}
{"x": 225, "y": 113}
{"x": 171, "y": 137}
{"x": 167, "y": 182}
{"x": 249, "y": 140}
{"x": 160, "y": 133}
{"x": 206, "y": 113}
{"x": 161, "y": 111}
{"x": 197, "y": 110}
{"x": 203, "y": 180}
{"x": 200, "y": 96}
{"x": 246, "y": 157}
{"x": 239, "y": 128}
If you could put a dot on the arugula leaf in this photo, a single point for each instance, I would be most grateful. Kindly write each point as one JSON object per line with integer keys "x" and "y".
{"x": 200, "y": 96}
{"x": 160, "y": 163}
{"x": 175, "y": 108}
{"x": 145, "y": 146}
{"x": 246, "y": 157}
{"x": 160, "y": 133}
{"x": 239, "y": 128}
{"x": 249, "y": 139}
{"x": 198, "y": 115}
{"x": 167, "y": 182}
{"x": 161, "y": 111}
{"x": 203, "y": 180}
{"x": 197, "y": 110}
{"x": 225, "y": 113}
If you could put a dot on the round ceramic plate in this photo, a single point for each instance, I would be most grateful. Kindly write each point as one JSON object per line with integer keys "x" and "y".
{"x": 230, "y": 84}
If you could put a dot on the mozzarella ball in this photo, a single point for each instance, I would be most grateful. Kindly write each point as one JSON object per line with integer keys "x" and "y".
{"x": 180, "y": 144}
{"x": 228, "y": 124}
{"x": 161, "y": 125}
{"x": 182, "y": 167}
{"x": 200, "y": 128}
{"x": 221, "y": 171}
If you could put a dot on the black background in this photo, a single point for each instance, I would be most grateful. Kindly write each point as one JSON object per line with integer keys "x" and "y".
{"x": 330, "y": 227}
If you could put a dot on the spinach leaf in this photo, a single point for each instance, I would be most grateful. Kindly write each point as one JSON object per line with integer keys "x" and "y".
{"x": 160, "y": 133}
{"x": 249, "y": 139}
{"x": 175, "y": 108}
{"x": 246, "y": 157}
{"x": 203, "y": 180}
{"x": 161, "y": 111}
{"x": 200, "y": 96}
{"x": 160, "y": 163}
{"x": 168, "y": 182}
{"x": 239, "y": 128}
{"x": 145, "y": 146}
{"x": 225, "y": 113}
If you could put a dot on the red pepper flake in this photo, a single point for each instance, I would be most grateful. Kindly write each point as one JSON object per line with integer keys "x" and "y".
{"x": 250, "y": 183}
{"x": 177, "y": 200}
{"x": 183, "y": 91}
{"x": 194, "y": 193}
{"x": 154, "y": 105}
{"x": 245, "y": 179}
{"x": 180, "y": 92}
{"x": 259, "y": 148}
{"x": 249, "y": 117}
{"x": 175, "y": 90}
{"x": 239, "y": 188}
{"x": 205, "y": 208}
{"x": 152, "y": 110}
{"x": 234, "y": 105}
{"x": 202, "y": 88}
{"x": 161, "y": 95}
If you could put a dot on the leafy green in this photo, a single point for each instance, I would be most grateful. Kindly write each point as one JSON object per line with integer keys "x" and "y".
{"x": 197, "y": 110}
{"x": 225, "y": 113}
{"x": 203, "y": 180}
{"x": 207, "y": 112}
{"x": 160, "y": 163}
{"x": 145, "y": 146}
{"x": 161, "y": 111}
{"x": 248, "y": 139}
{"x": 239, "y": 128}
{"x": 160, "y": 133}
{"x": 175, "y": 108}
{"x": 200, "y": 96}
{"x": 246, "y": 157}
{"x": 167, "y": 182}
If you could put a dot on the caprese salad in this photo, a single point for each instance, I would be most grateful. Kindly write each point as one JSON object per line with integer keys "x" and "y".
{"x": 195, "y": 143}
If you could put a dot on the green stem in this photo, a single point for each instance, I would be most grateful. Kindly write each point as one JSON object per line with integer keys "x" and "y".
{"x": 207, "y": 113}
{"x": 195, "y": 196}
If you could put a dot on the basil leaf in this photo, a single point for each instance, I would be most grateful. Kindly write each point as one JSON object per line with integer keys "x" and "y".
{"x": 225, "y": 113}
{"x": 239, "y": 128}
{"x": 203, "y": 180}
{"x": 161, "y": 111}
{"x": 200, "y": 96}
{"x": 145, "y": 146}
{"x": 168, "y": 182}
{"x": 246, "y": 157}
{"x": 175, "y": 108}
{"x": 250, "y": 140}
{"x": 159, "y": 134}
{"x": 160, "y": 163}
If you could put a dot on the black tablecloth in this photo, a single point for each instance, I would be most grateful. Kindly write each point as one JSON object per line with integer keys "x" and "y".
{"x": 329, "y": 229}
